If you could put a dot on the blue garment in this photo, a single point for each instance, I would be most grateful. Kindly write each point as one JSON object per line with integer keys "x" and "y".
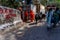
{"x": 49, "y": 16}
{"x": 58, "y": 12}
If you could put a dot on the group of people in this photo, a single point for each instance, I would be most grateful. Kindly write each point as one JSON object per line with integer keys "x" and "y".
{"x": 39, "y": 16}
{"x": 27, "y": 15}
{"x": 53, "y": 17}
{"x": 30, "y": 15}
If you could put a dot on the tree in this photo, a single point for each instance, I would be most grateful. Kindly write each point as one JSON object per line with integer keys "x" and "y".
{"x": 10, "y": 3}
{"x": 13, "y": 3}
{"x": 43, "y": 2}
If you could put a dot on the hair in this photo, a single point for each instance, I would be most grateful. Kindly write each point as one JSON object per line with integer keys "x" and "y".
{"x": 56, "y": 9}
{"x": 50, "y": 9}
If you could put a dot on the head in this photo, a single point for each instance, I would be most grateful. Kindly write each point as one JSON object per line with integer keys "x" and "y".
{"x": 50, "y": 9}
{"x": 57, "y": 9}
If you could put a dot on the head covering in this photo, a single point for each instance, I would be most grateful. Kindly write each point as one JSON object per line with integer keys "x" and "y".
{"x": 50, "y": 9}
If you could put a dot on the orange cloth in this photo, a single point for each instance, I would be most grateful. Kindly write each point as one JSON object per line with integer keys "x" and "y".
{"x": 32, "y": 15}
{"x": 26, "y": 13}
{"x": 25, "y": 16}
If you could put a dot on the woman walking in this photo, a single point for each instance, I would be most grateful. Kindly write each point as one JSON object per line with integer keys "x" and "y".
{"x": 49, "y": 17}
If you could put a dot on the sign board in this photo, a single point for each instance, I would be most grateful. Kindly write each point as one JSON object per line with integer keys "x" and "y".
{"x": 7, "y": 13}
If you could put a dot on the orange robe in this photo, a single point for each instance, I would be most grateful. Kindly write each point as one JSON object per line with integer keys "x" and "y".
{"x": 32, "y": 15}
{"x": 26, "y": 16}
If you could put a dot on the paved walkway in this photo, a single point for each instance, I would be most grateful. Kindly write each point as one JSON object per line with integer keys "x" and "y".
{"x": 41, "y": 33}
{"x": 33, "y": 32}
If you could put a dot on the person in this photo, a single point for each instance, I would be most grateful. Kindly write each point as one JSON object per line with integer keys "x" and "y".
{"x": 49, "y": 16}
{"x": 56, "y": 17}
{"x": 43, "y": 16}
{"x": 26, "y": 16}
{"x": 36, "y": 18}
{"x": 32, "y": 15}
{"x": 40, "y": 16}
{"x": 21, "y": 11}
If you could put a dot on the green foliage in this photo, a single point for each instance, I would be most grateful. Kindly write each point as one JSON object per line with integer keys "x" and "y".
{"x": 10, "y": 3}
{"x": 43, "y": 2}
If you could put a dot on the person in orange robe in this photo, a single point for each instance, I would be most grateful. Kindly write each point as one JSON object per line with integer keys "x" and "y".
{"x": 25, "y": 16}
{"x": 32, "y": 16}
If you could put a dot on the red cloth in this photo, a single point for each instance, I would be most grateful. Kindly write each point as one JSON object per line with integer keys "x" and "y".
{"x": 32, "y": 16}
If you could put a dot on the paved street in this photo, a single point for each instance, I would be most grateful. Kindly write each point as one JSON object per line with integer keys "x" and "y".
{"x": 33, "y": 32}
{"x": 41, "y": 33}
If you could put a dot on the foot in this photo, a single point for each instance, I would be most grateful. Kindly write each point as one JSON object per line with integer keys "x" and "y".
{"x": 49, "y": 28}
{"x": 54, "y": 26}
